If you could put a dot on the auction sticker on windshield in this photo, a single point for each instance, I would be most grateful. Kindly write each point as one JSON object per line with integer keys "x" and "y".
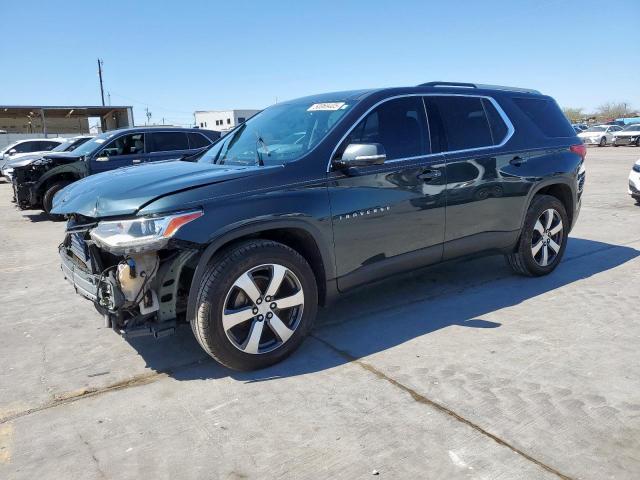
{"x": 325, "y": 106}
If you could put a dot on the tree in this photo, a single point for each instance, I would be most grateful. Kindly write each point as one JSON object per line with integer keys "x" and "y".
{"x": 574, "y": 115}
{"x": 611, "y": 110}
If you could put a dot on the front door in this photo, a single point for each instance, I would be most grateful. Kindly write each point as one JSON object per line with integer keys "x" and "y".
{"x": 389, "y": 218}
{"x": 122, "y": 151}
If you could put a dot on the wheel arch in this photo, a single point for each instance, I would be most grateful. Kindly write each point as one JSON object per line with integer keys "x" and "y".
{"x": 298, "y": 235}
{"x": 560, "y": 189}
{"x": 55, "y": 176}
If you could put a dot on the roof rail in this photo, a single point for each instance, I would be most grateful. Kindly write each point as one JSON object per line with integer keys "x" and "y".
{"x": 478, "y": 85}
{"x": 448, "y": 84}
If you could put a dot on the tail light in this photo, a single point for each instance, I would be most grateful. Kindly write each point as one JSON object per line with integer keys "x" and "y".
{"x": 580, "y": 149}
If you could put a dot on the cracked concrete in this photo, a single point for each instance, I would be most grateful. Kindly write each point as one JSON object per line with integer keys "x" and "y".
{"x": 459, "y": 371}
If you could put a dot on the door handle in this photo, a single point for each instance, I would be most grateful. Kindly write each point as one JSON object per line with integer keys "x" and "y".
{"x": 137, "y": 160}
{"x": 430, "y": 175}
{"x": 517, "y": 161}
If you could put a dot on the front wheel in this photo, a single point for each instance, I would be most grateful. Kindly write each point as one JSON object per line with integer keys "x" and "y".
{"x": 47, "y": 199}
{"x": 256, "y": 303}
{"x": 543, "y": 238}
{"x": 603, "y": 142}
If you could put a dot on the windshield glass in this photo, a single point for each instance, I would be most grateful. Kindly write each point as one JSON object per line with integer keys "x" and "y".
{"x": 632, "y": 127}
{"x": 62, "y": 147}
{"x": 93, "y": 144}
{"x": 280, "y": 134}
{"x": 595, "y": 129}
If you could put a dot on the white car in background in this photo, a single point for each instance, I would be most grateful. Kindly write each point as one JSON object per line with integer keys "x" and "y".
{"x": 629, "y": 135}
{"x": 634, "y": 182}
{"x": 28, "y": 146}
{"x": 600, "y": 135}
{"x": 22, "y": 159}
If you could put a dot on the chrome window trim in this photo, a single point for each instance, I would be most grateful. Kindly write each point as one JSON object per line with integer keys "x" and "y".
{"x": 510, "y": 128}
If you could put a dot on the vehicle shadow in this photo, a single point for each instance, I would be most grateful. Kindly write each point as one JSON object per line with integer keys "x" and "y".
{"x": 37, "y": 217}
{"x": 391, "y": 312}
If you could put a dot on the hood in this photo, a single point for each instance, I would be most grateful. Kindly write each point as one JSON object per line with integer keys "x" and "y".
{"x": 23, "y": 160}
{"x": 125, "y": 190}
{"x": 628, "y": 133}
{"x": 591, "y": 134}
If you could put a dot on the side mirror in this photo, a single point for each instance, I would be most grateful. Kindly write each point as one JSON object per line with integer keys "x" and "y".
{"x": 13, "y": 151}
{"x": 102, "y": 158}
{"x": 362, "y": 155}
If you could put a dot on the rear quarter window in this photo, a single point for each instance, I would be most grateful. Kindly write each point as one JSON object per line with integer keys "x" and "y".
{"x": 546, "y": 116}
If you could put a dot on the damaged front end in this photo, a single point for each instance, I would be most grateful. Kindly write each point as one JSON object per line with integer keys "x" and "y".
{"x": 135, "y": 273}
{"x": 25, "y": 180}
{"x": 29, "y": 180}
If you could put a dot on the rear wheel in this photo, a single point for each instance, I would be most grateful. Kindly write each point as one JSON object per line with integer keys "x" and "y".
{"x": 543, "y": 238}
{"x": 47, "y": 199}
{"x": 255, "y": 305}
{"x": 603, "y": 142}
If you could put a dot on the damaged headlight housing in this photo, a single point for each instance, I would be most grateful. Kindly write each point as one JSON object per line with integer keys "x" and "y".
{"x": 140, "y": 234}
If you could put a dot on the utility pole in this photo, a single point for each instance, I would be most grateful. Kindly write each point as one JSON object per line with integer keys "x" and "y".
{"x": 100, "y": 63}
{"x": 109, "y": 98}
{"x": 148, "y": 114}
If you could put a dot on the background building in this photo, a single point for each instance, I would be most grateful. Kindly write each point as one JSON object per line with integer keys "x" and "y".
{"x": 222, "y": 120}
{"x": 18, "y": 122}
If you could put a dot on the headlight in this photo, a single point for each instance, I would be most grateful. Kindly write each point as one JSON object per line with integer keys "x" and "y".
{"x": 140, "y": 234}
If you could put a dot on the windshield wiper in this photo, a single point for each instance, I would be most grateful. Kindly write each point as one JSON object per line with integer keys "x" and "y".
{"x": 260, "y": 140}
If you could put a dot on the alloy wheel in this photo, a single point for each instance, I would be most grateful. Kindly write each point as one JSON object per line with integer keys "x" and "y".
{"x": 547, "y": 237}
{"x": 263, "y": 309}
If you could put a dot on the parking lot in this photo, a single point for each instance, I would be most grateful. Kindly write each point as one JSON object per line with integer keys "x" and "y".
{"x": 459, "y": 371}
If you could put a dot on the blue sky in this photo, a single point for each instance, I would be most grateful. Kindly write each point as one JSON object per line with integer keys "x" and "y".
{"x": 177, "y": 57}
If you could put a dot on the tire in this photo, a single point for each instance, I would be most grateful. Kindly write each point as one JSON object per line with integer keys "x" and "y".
{"x": 47, "y": 199}
{"x": 603, "y": 142}
{"x": 231, "y": 340}
{"x": 526, "y": 259}
{"x": 638, "y": 142}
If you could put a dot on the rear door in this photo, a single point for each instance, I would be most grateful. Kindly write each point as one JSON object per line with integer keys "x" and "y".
{"x": 388, "y": 218}
{"x": 122, "y": 151}
{"x": 483, "y": 196}
{"x": 167, "y": 146}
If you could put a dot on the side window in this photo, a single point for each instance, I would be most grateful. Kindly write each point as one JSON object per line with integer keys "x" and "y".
{"x": 168, "y": 141}
{"x": 25, "y": 147}
{"x": 44, "y": 146}
{"x": 462, "y": 122}
{"x": 399, "y": 125}
{"x": 546, "y": 115}
{"x": 198, "y": 141}
{"x": 499, "y": 129}
{"x": 131, "y": 144}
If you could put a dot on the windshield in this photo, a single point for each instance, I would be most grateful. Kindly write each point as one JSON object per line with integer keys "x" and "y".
{"x": 632, "y": 128}
{"x": 62, "y": 147}
{"x": 278, "y": 135}
{"x": 595, "y": 129}
{"x": 93, "y": 144}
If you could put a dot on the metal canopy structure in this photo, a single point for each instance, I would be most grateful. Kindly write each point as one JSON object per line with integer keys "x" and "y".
{"x": 60, "y": 119}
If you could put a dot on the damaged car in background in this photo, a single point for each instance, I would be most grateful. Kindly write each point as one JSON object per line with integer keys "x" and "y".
{"x": 36, "y": 183}
{"x": 24, "y": 159}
